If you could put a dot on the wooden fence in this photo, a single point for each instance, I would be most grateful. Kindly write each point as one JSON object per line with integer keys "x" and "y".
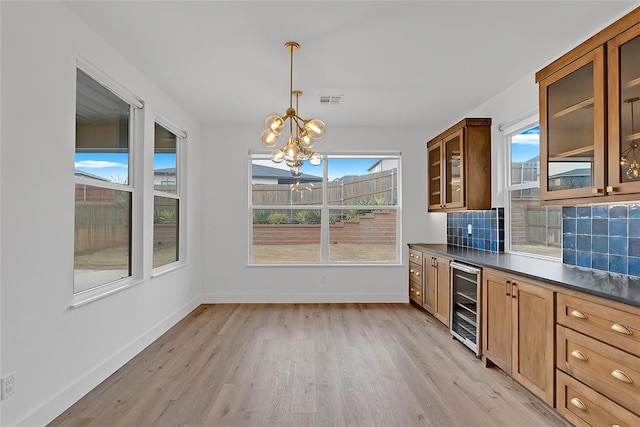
{"x": 531, "y": 223}
{"x": 349, "y": 190}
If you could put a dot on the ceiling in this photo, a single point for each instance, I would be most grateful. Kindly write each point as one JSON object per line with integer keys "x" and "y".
{"x": 416, "y": 64}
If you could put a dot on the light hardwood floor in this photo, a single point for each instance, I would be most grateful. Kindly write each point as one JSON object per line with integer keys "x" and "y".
{"x": 307, "y": 365}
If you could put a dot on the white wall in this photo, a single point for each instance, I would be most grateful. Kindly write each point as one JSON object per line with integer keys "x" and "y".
{"x": 229, "y": 279}
{"x": 58, "y": 353}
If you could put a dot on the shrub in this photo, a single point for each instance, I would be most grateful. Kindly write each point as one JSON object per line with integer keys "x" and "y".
{"x": 164, "y": 216}
{"x": 302, "y": 217}
{"x": 278, "y": 218}
{"x": 260, "y": 217}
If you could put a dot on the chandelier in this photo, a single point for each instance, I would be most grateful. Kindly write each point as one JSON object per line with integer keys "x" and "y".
{"x": 633, "y": 170}
{"x": 302, "y": 133}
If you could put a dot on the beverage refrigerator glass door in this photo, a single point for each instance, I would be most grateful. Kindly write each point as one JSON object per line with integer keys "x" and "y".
{"x": 465, "y": 310}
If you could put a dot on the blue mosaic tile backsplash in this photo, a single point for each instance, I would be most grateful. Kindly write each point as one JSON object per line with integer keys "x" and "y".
{"x": 487, "y": 232}
{"x": 605, "y": 237}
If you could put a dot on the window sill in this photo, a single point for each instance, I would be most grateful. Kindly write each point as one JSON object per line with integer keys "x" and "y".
{"x": 100, "y": 292}
{"x": 161, "y": 271}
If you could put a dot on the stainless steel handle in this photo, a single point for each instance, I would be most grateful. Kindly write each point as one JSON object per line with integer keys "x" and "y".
{"x": 466, "y": 268}
{"x": 620, "y": 328}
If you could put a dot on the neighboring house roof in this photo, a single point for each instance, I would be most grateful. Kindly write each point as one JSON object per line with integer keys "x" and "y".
{"x": 283, "y": 176}
{"x": 572, "y": 172}
{"x": 83, "y": 174}
{"x": 165, "y": 171}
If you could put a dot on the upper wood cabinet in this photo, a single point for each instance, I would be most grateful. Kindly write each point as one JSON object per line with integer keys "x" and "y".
{"x": 590, "y": 119}
{"x": 457, "y": 157}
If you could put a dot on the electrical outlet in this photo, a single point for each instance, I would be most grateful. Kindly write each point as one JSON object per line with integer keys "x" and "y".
{"x": 8, "y": 385}
{"x": 469, "y": 229}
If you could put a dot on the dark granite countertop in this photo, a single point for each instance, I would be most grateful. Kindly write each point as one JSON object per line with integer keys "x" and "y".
{"x": 616, "y": 287}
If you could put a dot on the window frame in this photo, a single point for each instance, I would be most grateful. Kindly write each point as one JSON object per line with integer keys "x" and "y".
{"x": 508, "y": 132}
{"x": 180, "y": 194}
{"x": 133, "y": 187}
{"x": 325, "y": 209}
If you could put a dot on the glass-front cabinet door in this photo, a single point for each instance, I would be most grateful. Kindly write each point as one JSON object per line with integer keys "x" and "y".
{"x": 434, "y": 176}
{"x": 453, "y": 170}
{"x": 624, "y": 112}
{"x": 572, "y": 130}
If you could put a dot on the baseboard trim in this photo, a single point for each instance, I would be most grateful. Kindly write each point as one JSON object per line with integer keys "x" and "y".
{"x": 301, "y": 298}
{"x": 48, "y": 411}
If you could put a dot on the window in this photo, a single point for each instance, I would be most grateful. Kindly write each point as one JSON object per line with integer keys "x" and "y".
{"x": 343, "y": 212}
{"x": 533, "y": 229}
{"x": 166, "y": 200}
{"x": 104, "y": 191}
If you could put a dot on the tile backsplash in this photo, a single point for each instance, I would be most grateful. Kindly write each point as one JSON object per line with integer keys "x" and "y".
{"x": 602, "y": 237}
{"x": 487, "y": 229}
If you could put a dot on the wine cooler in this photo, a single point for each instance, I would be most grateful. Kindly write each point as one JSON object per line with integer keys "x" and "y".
{"x": 465, "y": 300}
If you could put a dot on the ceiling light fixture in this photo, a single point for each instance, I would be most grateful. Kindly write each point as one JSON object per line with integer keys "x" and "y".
{"x": 298, "y": 147}
{"x": 633, "y": 171}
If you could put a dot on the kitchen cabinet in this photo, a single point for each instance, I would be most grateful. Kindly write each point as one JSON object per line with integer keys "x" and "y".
{"x": 416, "y": 278}
{"x": 598, "y": 361}
{"x": 437, "y": 285}
{"x": 518, "y": 330}
{"x": 590, "y": 119}
{"x": 456, "y": 159}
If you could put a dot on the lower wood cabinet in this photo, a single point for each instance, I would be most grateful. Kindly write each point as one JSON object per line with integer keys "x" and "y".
{"x": 429, "y": 283}
{"x": 598, "y": 361}
{"x": 437, "y": 287}
{"x": 518, "y": 330}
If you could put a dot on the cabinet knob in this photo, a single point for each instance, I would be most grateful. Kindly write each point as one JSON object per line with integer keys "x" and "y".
{"x": 411, "y": 255}
{"x": 620, "y": 328}
{"x": 621, "y": 376}
{"x": 611, "y": 189}
{"x": 417, "y": 293}
{"x": 578, "y": 404}
{"x": 578, "y": 355}
{"x": 417, "y": 273}
{"x": 580, "y": 315}
{"x": 596, "y": 190}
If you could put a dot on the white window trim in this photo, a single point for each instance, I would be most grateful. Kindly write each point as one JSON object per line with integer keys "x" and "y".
{"x": 181, "y": 191}
{"x": 509, "y": 130}
{"x": 133, "y": 186}
{"x": 325, "y": 208}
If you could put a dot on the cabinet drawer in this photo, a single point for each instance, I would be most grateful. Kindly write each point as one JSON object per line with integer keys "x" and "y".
{"x": 583, "y": 406}
{"x": 612, "y": 325}
{"x": 415, "y": 273}
{"x": 415, "y": 293}
{"x": 415, "y": 256}
{"x": 606, "y": 369}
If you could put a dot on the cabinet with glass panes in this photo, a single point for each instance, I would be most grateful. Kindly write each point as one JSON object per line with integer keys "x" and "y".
{"x": 455, "y": 158}
{"x": 590, "y": 117}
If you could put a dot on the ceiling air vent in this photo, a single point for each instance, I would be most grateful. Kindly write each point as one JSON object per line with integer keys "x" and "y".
{"x": 331, "y": 99}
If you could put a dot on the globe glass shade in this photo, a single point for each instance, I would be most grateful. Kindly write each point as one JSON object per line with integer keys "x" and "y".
{"x": 315, "y": 159}
{"x": 269, "y": 139}
{"x": 314, "y": 128}
{"x": 277, "y": 156}
{"x": 274, "y": 123}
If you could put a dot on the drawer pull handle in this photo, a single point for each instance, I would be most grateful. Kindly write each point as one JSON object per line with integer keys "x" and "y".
{"x": 621, "y": 329}
{"x": 578, "y": 404}
{"x": 579, "y": 314}
{"x": 579, "y": 355}
{"x": 619, "y": 375}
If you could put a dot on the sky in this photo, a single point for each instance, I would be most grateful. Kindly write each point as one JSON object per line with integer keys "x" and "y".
{"x": 525, "y": 145}
{"x": 113, "y": 166}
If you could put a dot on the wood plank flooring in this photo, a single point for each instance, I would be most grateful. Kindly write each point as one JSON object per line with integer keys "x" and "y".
{"x": 307, "y": 365}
